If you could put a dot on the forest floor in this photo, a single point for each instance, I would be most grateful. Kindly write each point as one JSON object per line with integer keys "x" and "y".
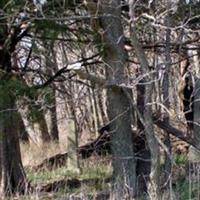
{"x": 94, "y": 181}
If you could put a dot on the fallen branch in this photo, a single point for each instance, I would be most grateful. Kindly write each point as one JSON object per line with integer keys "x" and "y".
{"x": 175, "y": 132}
{"x": 101, "y": 146}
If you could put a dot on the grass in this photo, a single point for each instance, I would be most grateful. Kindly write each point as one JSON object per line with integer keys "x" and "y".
{"x": 185, "y": 187}
{"x": 187, "y": 191}
{"x": 90, "y": 169}
{"x": 180, "y": 159}
{"x": 94, "y": 172}
{"x": 93, "y": 177}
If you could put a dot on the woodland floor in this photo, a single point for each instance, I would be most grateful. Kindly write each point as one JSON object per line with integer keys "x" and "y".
{"x": 58, "y": 183}
{"x": 94, "y": 180}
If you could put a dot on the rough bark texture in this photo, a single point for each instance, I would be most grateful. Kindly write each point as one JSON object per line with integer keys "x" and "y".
{"x": 51, "y": 67}
{"x": 196, "y": 112}
{"x": 153, "y": 187}
{"x": 165, "y": 92}
{"x": 12, "y": 175}
{"x": 118, "y": 105}
{"x": 141, "y": 147}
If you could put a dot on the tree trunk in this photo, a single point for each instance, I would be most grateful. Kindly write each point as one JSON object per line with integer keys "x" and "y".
{"x": 153, "y": 186}
{"x": 100, "y": 102}
{"x": 143, "y": 157}
{"x": 165, "y": 93}
{"x": 196, "y": 112}
{"x": 12, "y": 175}
{"x": 118, "y": 105}
{"x": 72, "y": 148}
{"x": 51, "y": 117}
{"x": 194, "y": 154}
{"x": 50, "y": 68}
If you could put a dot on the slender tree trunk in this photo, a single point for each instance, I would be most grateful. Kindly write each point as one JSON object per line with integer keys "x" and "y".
{"x": 153, "y": 187}
{"x": 194, "y": 154}
{"x": 51, "y": 67}
{"x": 102, "y": 109}
{"x": 73, "y": 143}
{"x": 52, "y": 118}
{"x": 118, "y": 105}
{"x": 141, "y": 146}
{"x": 96, "y": 113}
{"x": 196, "y": 112}
{"x": 73, "y": 164}
{"x": 166, "y": 103}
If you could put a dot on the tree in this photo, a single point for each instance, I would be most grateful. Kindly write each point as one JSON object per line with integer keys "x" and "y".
{"x": 118, "y": 105}
{"x": 12, "y": 175}
{"x": 153, "y": 186}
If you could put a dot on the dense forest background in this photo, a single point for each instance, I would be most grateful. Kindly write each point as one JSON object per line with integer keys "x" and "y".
{"x": 99, "y": 99}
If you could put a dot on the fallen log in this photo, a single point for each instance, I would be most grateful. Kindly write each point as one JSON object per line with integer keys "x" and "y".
{"x": 101, "y": 146}
{"x": 75, "y": 184}
{"x": 175, "y": 132}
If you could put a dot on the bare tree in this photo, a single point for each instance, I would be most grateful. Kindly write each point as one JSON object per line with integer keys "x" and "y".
{"x": 153, "y": 187}
{"x": 118, "y": 105}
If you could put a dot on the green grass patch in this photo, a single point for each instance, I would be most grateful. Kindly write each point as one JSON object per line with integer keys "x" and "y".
{"x": 93, "y": 176}
{"x": 187, "y": 190}
{"x": 180, "y": 159}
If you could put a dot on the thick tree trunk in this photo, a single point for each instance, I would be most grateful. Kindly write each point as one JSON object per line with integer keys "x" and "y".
{"x": 121, "y": 144}
{"x": 12, "y": 175}
{"x": 118, "y": 105}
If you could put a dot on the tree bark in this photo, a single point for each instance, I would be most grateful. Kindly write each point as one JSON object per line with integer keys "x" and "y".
{"x": 143, "y": 155}
{"x": 118, "y": 105}
{"x": 196, "y": 112}
{"x": 12, "y": 175}
{"x": 165, "y": 93}
{"x": 153, "y": 186}
{"x": 51, "y": 67}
